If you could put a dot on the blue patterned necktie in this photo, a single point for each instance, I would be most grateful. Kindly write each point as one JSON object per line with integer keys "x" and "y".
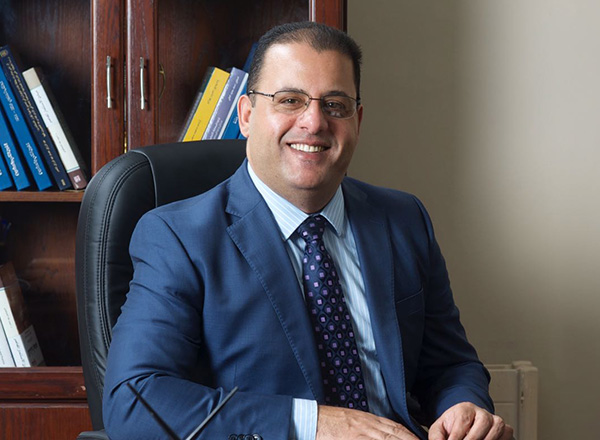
{"x": 338, "y": 355}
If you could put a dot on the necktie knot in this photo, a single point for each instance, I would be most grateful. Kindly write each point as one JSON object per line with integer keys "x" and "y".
{"x": 312, "y": 228}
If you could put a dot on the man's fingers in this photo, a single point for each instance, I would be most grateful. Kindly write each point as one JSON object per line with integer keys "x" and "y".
{"x": 496, "y": 430}
{"x": 482, "y": 424}
{"x": 454, "y": 424}
{"x": 461, "y": 426}
{"x": 500, "y": 430}
{"x": 342, "y": 423}
{"x": 466, "y": 421}
{"x": 394, "y": 430}
{"x": 437, "y": 431}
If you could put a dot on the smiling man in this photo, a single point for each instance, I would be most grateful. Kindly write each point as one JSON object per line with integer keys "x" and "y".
{"x": 325, "y": 300}
{"x": 299, "y": 148}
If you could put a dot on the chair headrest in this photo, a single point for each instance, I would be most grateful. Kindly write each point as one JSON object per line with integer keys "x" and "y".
{"x": 205, "y": 165}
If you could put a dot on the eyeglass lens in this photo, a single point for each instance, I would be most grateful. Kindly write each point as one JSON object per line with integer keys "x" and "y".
{"x": 336, "y": 106}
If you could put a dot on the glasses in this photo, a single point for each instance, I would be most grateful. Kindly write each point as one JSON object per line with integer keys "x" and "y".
{"x": 295, "y": 103}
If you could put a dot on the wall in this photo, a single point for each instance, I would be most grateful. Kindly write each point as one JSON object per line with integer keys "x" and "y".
{"x": 489, "y": 111}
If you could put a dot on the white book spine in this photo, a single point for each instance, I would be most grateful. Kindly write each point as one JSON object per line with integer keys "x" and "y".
{"x": 24, "y": 347}
{"x": 6, "y": 359}
{"x": 65, "y": 151}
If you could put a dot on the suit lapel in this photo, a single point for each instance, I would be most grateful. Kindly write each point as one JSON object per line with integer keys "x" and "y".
{"x": 374, "y": 247}
{"x": 254, "y": 235}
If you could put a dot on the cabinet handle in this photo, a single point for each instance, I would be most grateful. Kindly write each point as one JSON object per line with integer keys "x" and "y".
{"x": 108, "y": 82}
{"x": 142, "y": 86}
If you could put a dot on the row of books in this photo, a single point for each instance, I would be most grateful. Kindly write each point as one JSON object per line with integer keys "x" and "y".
{"x": 38, "y": 150}
{"x": 19, "y": 345}
{"x": 214, "y": 112}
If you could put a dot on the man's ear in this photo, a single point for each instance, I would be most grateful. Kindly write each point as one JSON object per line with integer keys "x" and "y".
{"x": 244, "y": 113}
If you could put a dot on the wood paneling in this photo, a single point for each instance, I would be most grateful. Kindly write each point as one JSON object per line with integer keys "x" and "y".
{"x": 43, "y": 421}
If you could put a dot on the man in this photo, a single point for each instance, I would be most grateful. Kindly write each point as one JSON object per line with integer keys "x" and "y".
{"x": 223, "y": 295}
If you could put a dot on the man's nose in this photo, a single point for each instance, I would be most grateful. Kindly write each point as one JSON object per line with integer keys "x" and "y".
{"x": 313, "y": 118}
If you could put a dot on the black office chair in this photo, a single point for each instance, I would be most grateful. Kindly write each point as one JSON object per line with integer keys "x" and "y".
{"x": 118, "y": 195}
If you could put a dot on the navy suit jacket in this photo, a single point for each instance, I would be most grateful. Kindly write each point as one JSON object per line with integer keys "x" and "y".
{"x": 214, "y": 303}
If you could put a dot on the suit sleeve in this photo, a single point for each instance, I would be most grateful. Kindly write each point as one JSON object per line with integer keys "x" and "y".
{"x": 157, "y": 348}
{"x": 449, "y": 370}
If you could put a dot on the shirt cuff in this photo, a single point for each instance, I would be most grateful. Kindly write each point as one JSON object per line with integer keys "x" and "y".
{"x": 304, "y": 420}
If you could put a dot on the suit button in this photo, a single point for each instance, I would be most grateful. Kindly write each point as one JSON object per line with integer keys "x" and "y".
{"x": 244, "y": 437}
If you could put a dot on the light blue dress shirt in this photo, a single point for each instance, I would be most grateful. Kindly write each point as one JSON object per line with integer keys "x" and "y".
{"x": 339, "y": 241}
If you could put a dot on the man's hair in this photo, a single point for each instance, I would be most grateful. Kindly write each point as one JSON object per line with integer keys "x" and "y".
{"x": 319, "y": 36}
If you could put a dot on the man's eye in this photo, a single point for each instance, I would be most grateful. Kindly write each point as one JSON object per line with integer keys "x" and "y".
{"x": 289, "y": 100}
{"x": 335, "y": 105}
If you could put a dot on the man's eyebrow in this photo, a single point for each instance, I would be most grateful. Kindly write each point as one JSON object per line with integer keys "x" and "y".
{"x": 329, "y": 93}
{"x": 293, "y": 89}
{"x": 337, "y": 93}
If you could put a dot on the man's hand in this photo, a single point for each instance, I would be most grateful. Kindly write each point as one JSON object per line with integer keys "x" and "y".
{"x": 469, "y": 422}
{"x": 342, "y": 423}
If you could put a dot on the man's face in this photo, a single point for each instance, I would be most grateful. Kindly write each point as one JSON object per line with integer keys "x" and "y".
{"x": 277, "y": 142}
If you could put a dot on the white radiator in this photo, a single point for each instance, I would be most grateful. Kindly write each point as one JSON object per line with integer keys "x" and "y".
{"x": 514, "y": 389}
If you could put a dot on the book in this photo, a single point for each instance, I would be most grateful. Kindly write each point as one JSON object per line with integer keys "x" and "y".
{"x": 18, "y": 329}
{"x": 227, "y": 100}
{"x": 232, "y": 128}
{"x": 200, "y": 114}
{"x": 33, "y": 118}
{"x": 232, "y": 115}
{"x": 59, "y": 131}
{"x": 6, "y": 358}
{"x": 197, "y": 99}
{"x": 12, "y": 155}
{"x": 5, "y": 179}
{"x": 23, "y": 136}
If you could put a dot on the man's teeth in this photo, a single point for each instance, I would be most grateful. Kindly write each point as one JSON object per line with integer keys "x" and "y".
{"x": 307, "y": 148}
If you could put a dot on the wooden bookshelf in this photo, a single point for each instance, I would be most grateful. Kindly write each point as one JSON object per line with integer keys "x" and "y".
{"x": 43, "y": 402}
{"x": 70, "y": 41}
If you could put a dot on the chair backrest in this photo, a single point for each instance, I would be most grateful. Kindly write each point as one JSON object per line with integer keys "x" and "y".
{"x": 118, "y": 195}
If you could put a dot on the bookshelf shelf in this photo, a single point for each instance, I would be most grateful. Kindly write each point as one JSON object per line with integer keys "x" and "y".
{"x": 177, "y": 40}
{"x": 45, "y": 196}
{"x": 41, "y": 384}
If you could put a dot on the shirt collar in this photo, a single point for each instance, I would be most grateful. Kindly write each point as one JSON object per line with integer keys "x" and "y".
{"x": 289, "y": 217}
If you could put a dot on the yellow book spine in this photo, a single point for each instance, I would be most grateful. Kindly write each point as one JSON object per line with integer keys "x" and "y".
{"x": 207, "y": 104}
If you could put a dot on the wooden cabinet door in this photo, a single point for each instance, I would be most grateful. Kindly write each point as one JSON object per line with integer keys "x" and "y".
{"x": 142, "y": 72}
{"x": 331, "y": 12}
{"x": 108, "y": 69}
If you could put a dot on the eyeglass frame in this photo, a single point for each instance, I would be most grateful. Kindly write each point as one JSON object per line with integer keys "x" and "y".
{"x": 310, "y": 98}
